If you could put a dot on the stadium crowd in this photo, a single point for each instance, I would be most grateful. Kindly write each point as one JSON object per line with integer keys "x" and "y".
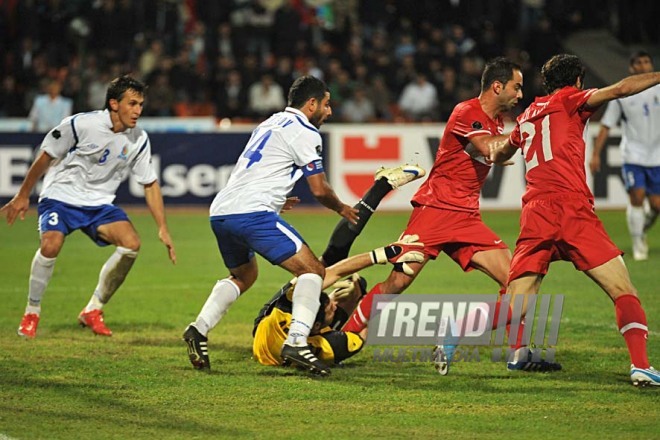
{"x": 382, "y": 59}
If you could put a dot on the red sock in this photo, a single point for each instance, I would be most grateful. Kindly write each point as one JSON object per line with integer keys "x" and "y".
{"x": 521, "y": 325}
{"x": 631, "y": 320}
{"x": 360, "y": 317}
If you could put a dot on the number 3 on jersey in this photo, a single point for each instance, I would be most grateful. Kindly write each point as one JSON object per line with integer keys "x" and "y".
{"x": 253, "y": 151}
{"x": 535, "y": 157}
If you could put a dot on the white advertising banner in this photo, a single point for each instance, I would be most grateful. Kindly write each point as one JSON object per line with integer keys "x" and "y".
{"x": 355, "y": 152}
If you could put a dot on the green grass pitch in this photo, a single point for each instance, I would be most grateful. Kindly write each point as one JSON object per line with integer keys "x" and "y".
{"x": 70, "y": 384}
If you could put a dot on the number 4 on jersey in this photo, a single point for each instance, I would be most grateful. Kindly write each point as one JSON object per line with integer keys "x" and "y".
{"x": 529, "y": 129}
{"x": 253, "y": 152}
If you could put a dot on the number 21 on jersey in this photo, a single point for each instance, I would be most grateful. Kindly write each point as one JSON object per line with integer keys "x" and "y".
{"x": 531, "y": 152}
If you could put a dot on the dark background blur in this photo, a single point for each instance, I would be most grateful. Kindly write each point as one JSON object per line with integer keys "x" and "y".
{"x": 237, "y": 58}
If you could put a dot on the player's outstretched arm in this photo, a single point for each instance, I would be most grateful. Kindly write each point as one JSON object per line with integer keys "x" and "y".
{"x": 628, "y": 86}
{"x": 323, "y": 192}
{"x": 20, "y": 203}
{"x": 406, "y": 250}
{"x": 154, "y": 199}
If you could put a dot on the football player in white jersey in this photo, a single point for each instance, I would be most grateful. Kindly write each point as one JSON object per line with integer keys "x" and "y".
{"x": 245, "y": 220}
{"x": 639, "y": 116}
{"x": 85, "y": 158}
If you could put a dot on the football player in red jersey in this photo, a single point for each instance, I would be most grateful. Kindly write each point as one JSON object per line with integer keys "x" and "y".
{"x": 446, "y": 207}
{"x": 558, "y": 220}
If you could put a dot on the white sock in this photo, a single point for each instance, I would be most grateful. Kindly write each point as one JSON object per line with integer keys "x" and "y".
{"x": 42, "y": 270}
{"x": 636, "y": 217}
{"x": 306, "y": 304}
{"x": 113, "y": 273}
{"x": 223, "y": 295}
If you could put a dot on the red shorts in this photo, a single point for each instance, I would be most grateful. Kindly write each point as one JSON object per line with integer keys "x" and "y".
{"x": 460, "y": 234}
{"x": 560, "y": 228}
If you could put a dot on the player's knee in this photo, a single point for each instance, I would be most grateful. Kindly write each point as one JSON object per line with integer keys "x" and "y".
{"x": 50, "y": 248}
{"x": 132, "y": 242}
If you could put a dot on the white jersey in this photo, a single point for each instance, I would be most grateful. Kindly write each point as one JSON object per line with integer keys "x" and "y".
{"x": 271, "y": 164}
{"x": 92, "y": 160}
{"x": 640, "y": 122}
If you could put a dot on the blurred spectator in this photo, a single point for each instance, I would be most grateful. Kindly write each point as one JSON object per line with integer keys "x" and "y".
{"x": 283, "y": 73}
{"x": 379, "y": 94}
{"x": 231, "y": 97}
{"x": 196, "y": 43}
{"x": 265, "y": 97}
{"x": 50, "y": 108}
{"x": 358, "y": 108}
{"x": 160, "y": 98}
{"x": 286, "y": 29}
{"x": 150, "y": 58}
{"x": 419, "y": 100}
{"x": 11, "y": 99}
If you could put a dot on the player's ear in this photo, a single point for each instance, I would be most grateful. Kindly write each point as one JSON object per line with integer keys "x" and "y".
{"x": 114, "y": 105}
{"x": 497, "y": 87}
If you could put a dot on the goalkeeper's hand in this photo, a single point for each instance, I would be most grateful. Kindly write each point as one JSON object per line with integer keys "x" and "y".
{"x": 406, "y": 250}
{"x": 344, "y": 288}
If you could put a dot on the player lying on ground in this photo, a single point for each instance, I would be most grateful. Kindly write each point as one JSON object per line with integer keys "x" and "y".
{"x": 337, "y": 249}
{"x": 329, "y": 344}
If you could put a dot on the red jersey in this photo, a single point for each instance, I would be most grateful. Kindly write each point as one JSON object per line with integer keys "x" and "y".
{"x": 551, "y": 134}
{"x": 459, "y": 170}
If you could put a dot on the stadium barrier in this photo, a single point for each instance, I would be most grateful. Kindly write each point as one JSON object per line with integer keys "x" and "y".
{"x": 194, "y": 161}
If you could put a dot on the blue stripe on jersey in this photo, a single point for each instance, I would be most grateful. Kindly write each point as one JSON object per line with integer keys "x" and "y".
{"x": 305, "y": 124}
{"x": 75, "y": 134}
{"x": 142, "y": 148}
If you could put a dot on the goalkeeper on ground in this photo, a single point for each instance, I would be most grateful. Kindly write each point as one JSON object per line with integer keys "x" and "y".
{"x": 331, "y": 344}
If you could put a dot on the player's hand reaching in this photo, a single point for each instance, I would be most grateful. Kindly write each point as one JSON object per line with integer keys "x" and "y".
{"x": 290, "y": 203}
{"x": 16, "y": 207}
{"x": 408, "y": 249}
{"x": 164, "y": 237}
{"x": 344, "y": 288}
{"x": 349, "y": 213}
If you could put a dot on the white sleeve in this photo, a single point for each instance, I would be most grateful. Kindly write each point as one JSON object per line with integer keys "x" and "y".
{"x": 307, "y": 147}
{"x": 61, "y": 139}
{"x": 612, "y": 114}
{"x": 142, "y": 167}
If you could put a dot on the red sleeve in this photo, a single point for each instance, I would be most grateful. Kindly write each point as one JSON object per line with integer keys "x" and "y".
{"x": 470, "y": 122}
{"x": 515, "y": 138}
{"x": 574, "y": 102}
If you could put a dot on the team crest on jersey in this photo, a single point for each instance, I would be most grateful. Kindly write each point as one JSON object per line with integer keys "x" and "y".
{"x": 124, "y": 153}
{"x": 477, "y": 125}
{"x": 319, "y": 149}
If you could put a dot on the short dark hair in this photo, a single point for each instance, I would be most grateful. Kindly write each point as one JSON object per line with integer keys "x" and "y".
{"x": 562, "y": 70}
{"x": 304, "y": 88}
{"x": 118, "y": 87}
{"x": 498, "y": 69}
{"x": 639, "y": 54}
